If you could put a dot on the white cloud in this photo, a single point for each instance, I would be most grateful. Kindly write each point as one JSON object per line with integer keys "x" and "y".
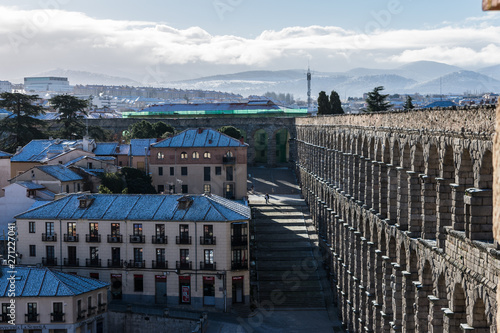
{"x": 56, "y": 38}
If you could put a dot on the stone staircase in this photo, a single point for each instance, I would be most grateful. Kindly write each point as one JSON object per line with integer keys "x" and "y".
{"x": 286, "y": 271}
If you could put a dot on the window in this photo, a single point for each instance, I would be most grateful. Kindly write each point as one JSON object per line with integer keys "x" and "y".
{"x": 184, "y": 231}
{"x": 160, "y": 230}
{"x": 138, "y": 254}
{"x": 49, "y": 250}
{"x": 160, "y": 155}
{"x": 138, "y": 282}
{"x": 218, "y": 171}
{"x": 172, "y": 171}
{"x": 49, "y": 228}
{"x": 32, "y": 227}
{"x": 137, "y": 229}
{"x": 161, "y": 188}
{"x": 67, "y": 188}
{"x": 94, "y": 253}
{"x": 32, "y": 315}
{"x": 209, "y": 257}
{"x": 207, "y": 188}
{"x": 208, "y": 231}
{"x": 94, "y": 229}
{"x": 229, "y": 191}
{"x": 184, "y": 189}
{"x": 71, "y": 227}
{"x": 207, "y": 155}
{"x": 89, "y": 165}
{"x": 160, "y": 171}
{"x": 89, "y": 306}
{"x": 94, "y": 275}
{"x": 196, "y": 155}
{"x": 184, "y": 155}
{"x": 171, "y": 189}
{"x": 184, "y": 255}
{"x": 72, "y": 254}
{"x": 160, "y": 256}
{"x": 229, "y": 154}
{"x": 206, "y": 174}
{"x": 184, "y": 171}
{"x": 32, "y": 250}
{"x": 115, "y": 229}
{"x": 229, "y": 173}
{"x": 5, "y": 311}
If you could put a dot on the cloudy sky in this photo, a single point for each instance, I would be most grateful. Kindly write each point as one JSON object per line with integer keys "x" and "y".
{"x": 162, "y": 40}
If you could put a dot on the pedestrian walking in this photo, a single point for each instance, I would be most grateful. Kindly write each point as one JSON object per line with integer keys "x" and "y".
{"x": 267, "y": 198}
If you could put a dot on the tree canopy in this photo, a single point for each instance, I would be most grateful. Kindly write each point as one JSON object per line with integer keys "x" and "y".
{"x": 128, "y": 180}
{"x": 71, "y": 111}
{"x": 335, "y": 104}
{"x": 21, "y": 127}
{"x": 324, "y": 106}
{"x": 145, "y": 130}
{"x": 377, "y": 101}
{"x": 231, "y": 131}
{"x": 408, "y": 103}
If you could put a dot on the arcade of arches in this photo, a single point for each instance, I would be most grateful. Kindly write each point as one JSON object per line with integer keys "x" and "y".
{"x": 403, "y": 206}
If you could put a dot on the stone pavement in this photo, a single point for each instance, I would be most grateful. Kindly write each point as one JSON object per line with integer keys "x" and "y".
{"x": 291, "y": 289}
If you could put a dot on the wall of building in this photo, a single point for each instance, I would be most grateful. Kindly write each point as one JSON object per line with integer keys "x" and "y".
{"x": 496, "y": 190}
{"x": 403, "y": 206}
{"x": 128, "y": 322}
{"x": 4, "y": 174}
{"x": 14, "y": 202}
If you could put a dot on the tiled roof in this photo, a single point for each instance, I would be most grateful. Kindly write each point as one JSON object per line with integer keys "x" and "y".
{"x": 137, "y": 146}
{"x": 40, "y": 282}
{"x": 38, "y": 150}
{"x": 255, "y": 105}
{"x": 105, "y": 148}
{"x": 199, "y": 138}
{"x": 4, "y": 154}
{"x": 154, "y": 207}
{"x": 30, "y": 185}
{"x": 95, "y": 158}
{"x": 60, "y": 172}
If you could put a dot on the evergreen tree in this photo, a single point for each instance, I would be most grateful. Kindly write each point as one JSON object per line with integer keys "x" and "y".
{"x": 323, "y": 103}
{"x": 141, "y": 130}
{"x": 71, "y": 110}
{"x": 231, "y": 131}
{"x": 377, "y": 101}
{"x": 22, "y": 126}
{"x": 335, "y": 104}
{"x": 408, "y": 103}
{"x": 160, "y": 128}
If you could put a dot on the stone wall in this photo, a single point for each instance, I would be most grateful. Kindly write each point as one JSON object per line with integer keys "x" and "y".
{"x": 403, "y": 203}
{"x": 496, "y": 189}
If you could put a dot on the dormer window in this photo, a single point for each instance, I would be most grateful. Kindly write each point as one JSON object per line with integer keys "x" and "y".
{"x": 185, "y": 202}
{"x": 184, "y": 155}
{"x": 85, "y": 201}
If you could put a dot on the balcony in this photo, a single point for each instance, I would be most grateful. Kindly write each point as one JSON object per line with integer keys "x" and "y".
{"x": 93, "y": 262}
{"x": 183, "y": 265}
{"x": 81, "y": 314}
{"x": 159, "y": 239}
{"x": 159, "y": 264}
{"x": 32, "y": 317}
{"x": 92, "y": 238}
{"x": 207, "y": 240}
{"x": 239, "y": 240}
{"x": 49, "y": 237}
{"x": 71, "y": 238}
{"x": 182, "y": 239}
{"x": 207, "y": 266}
{"x": 115, "y": 263}
{"x": 71, "y": 262}
{"x": 57, "y": 317}
{"x": 49, "y": 261}
{"x": 235, "y": 265}
{"x": 137, "y": 264}
{"x": 101, "y": 307}
{"x": 228, "y": 160}
{"x": 91, "y": 311}
{"x": 115, "y": 238}
{"x": 137, "y": 239}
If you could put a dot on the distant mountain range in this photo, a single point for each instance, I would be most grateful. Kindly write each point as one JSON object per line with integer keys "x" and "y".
{"x": 424, "y": 77}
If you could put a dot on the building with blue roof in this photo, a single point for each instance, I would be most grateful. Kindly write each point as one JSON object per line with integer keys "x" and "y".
{"x": 166, "y": 249}
{"x": 200, "y": 160}
{"x": 4, "y": 170}
{"x": 54, "y": 300}
{"x": 56, "y": 178}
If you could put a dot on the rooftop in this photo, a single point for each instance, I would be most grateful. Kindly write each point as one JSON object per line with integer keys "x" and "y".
{"x": 60, "y": 172}
{"x": 40, "y": 282}
{"x": 137, "y": 146}
{"x": 40, "y": 150}
{"x": 153, "y": 207}
{"x": 199, "y": 138}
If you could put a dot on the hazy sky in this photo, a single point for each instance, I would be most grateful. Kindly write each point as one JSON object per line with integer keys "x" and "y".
{"x": 161, "y": 40}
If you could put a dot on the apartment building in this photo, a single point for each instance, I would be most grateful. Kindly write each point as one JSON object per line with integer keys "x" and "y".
{"x": 200, "y": 161}
{"x": 164, "y": 249}
{"x": 51, "y": 301}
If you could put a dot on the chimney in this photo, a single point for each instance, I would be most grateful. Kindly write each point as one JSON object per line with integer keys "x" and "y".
{"x": 242, "y": 140}
{"x": 200, "y": 130}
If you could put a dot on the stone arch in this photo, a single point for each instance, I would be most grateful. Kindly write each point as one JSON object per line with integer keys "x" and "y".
{"x": 441, "y": 289}
{"x": 371, "y": 152}
{"x": 485, "y": 179}
{"x": 402, "y": 257}
{"x": 374, "y": 234}
{"x": 282, "y": 137}
{"x": 447, "y": 166}
{"x": 433, "y": 162}
{"x": 465, "y": 174}
{"x": 378, "y": 152}
{"x": 458, "y": 306}
{"x": 383, "y": 243}
{"x": 479, "y": 315}
{"x": 367, "y": 228}
{"x": 406, "y": 160}
{"x": 386, "y": 152}
{"x": 413, "y": 263}
{"x": 423, "y": 301}
{"x": 396, "y": 159}
{"x": 392, "y": 251}
{"x": 365, "y": 146}
{"x": 261, "y": 146}
{"x": 359, "y": 145}
{"x": 418, "y": 159}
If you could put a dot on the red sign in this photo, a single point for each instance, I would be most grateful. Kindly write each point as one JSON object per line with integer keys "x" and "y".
{"x": 184, "y": 278}
{"x": 208, "y": 278}
{"x": 160, "y": 277}
{"x": 186, "y": 297}
{"x": 116, "y": 276}
{"x": 237, "y": 278}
